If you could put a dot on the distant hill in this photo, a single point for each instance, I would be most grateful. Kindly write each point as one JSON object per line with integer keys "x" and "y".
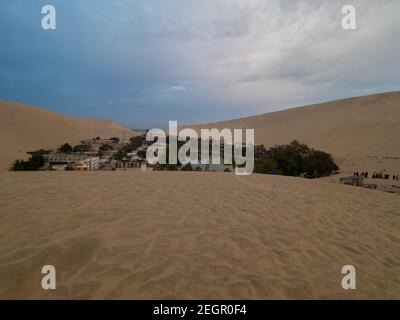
{"x": 25, "y": 128}
{"x": 359, "y": 132}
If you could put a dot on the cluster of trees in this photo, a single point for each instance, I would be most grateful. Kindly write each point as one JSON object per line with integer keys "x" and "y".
{"x": 135, "y": 142}
{"x": 133, "y": 145}
{"x": 84, "y": 147}
{"x": 172, "y": 166}
{"x": 35, "y": 162}
{"x": 123, "y": 152}
{"x": 295, "y": 159}
{"x": 67, "y": 148}
{"x": 103, "y": 148}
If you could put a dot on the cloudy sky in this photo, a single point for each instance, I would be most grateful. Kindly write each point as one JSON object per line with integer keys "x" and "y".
{"x": 142, "y": 63}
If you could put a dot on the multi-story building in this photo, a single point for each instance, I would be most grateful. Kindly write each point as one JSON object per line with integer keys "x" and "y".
{"x": 66, "y": 158}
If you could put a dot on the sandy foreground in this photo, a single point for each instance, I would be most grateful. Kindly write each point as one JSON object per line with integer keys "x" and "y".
{"x": 167, "y": 235}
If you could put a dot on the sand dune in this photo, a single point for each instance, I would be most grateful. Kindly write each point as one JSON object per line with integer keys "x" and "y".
{"x": 167, "y": 235}
{"x": 194, "y": 236}
{"x": 363, "y": 133}
{"x": 25, "y": 128}
{"x": 359, "y": 131}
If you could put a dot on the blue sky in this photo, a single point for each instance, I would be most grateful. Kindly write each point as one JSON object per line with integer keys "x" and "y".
{"x": 142, "y": 63}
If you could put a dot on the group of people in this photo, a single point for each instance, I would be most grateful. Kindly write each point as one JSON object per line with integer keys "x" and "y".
{"x": 377, "y": 175}
{"x": 362, "y": 174}
{"x": 384, "y": 175}
{"x": 381, "y": 175}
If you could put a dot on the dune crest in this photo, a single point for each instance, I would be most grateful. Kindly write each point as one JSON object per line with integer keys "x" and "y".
{"x": 362, "y": 130}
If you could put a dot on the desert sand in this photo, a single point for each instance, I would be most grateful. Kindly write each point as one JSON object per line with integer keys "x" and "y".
{"x": 24, "y": 128}
{"x": 362, "y": 133}
{"x": 167, "y": 235}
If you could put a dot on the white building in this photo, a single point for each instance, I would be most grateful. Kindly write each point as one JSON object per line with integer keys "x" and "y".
{"x": 66, "y": 158}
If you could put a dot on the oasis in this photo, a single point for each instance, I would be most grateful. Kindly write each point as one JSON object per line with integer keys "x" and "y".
{"x": 188, "y": 153}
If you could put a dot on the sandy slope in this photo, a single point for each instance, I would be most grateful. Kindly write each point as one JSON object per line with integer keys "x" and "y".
{"x": 194, "y": 235}
{"x": 25, "y": 128}
{"x": 359, "y": 131}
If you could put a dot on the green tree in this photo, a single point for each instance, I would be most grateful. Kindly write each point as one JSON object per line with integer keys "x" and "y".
{"x": 171, "y": 167}
{"x": 320, "y": 164}
{"x": 295, "y": 159}
{"x": 187, "y": 167}
{"x": 65, "y": 148}
{"x": 137, "y": 141}
{"x": 123, "y": 152}
{"x": 35, "y": 162}
{"x": 84, "y": 147}
{"x": 105, "y": 147}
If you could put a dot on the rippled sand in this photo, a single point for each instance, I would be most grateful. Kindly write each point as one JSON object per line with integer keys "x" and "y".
{"x": 194, "y": 236}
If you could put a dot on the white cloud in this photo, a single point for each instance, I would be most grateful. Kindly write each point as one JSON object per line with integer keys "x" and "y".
{"x": 264, "y": 53}
{"x": 238, "y": 57}
{"x": 177, "y": 88}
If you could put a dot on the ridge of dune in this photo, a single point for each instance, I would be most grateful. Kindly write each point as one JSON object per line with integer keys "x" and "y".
{"x": 366, "y": 123}
{"x": 25, "y": 128}
{"x": 360, "y": 132}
